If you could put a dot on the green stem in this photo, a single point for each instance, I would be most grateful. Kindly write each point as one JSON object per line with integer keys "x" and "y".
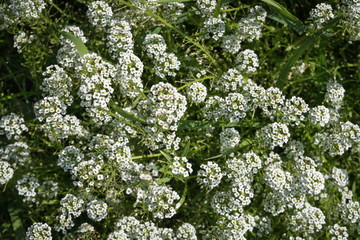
{"x": 196, "y": 80}
{"x": 147, "y": 156}
{"x": 235, "y": 9}
{"x": 152, "y": 14}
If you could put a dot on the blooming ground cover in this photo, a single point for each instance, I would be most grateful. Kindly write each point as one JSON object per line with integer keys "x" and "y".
{"x": 179, "y": 119}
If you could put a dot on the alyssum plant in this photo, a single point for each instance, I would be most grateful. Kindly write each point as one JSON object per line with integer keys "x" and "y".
{"x": 180, "y": 120}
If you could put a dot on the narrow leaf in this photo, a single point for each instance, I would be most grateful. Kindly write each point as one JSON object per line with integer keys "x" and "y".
{"x": 186, "y": 149}
{"x": 183, "y": 196}
{"x": 80, "y": 46}
{"x": 163, "y": 180}
{"x": 289, "y": 18}
{"x": 167, "y": 156}
{"x": 277, "y": 19}
{"x": 157, "y": 30}
{"x": 218, "y": 7}
{"x": 126, "y": 114}
{"x": 193, "y": 124}
{"x": 244, "y": 143}
{"x": 15, "y": 216}
{"x": 296, "y": 54}
{"x": 353, "y": 188}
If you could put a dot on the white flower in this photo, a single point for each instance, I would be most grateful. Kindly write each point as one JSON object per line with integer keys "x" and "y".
{"x": 12, "y": 126}
{"x": 196, "y": 92}
{"x": 6, "y": 172}
{"x": 39, "y": 231}
{"x": 96, "y": 210}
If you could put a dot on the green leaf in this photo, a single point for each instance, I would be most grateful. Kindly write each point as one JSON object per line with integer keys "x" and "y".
{"x": 15, "y": 216}
{"x": 16, "y": 95}
{"x": 186, "y": 149}
{"x": 191, "y": 124}
{"x": 183, "y": 196}
{"x": 290, "y": 19}
{"x": 218, "y": 7}
{"x": 244, "y": 143}
{"x": 296, "y": 54}
{"x": 167, "y": 156}
{"x": 277, "y": 19}
{"x": 80, "y": 46}
{"x": 126, "y": 114}
{"x": 157, "y": 30}
{"x": 163, "y": 180}
{"x": 353, "y": 187}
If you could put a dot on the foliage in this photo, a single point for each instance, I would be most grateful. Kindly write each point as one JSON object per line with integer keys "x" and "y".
{"x": 179, "y": 119}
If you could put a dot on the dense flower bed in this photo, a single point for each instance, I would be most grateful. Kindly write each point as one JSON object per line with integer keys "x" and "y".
{"x": 180, "y": 120}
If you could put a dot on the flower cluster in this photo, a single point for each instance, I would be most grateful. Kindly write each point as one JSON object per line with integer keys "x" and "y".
{"x": 233, "y": 108}
{"x": 21, "y": 40}
{"x": 248, "y": 61}
{"x": 95, "y": 88}
{"x": 231, "y": 43}
{"x": 67, "y": 55}
{"x": 319, "y": 115}
{"x": 57, "y": 84}
{"x": 243, "y": 167}
{"x": 307, "y": 221}
{"x": 87, "y": 173}
{"x": 129, "y": 227}
{"x": 181, "y": 166}
{"x": 27, "y": 187}
{"x": 49, "y": 107}
{"x": 96, "y": 210}
{"x": 235, "y": 226}
{"x": 163, "y": 109}
{"x": 206, "y": 7}
{"x": 339, "y": 139}
{"x": 39, "y": 231}
{"x": 340, "y": 177}
{"x": 21, "y": 11}
{"x": 119, "y": 37}
{"x": 186, "y": 232}
{"x": 293, "y": 110}
{"x": 115, "y": 151}
{"x": 16, "y": 153}
{"x": 165, "y": 64}
{"x": 99, "y": 14}
{"x": 338, "y": 233}
{"x": 196, "y": 93}
{"x": 230, "y": 81}
{"x": 12, "y": 126}
{"x": 213, "y": 28}
{"x": 249, "y": 28}
{"x": 71, "y": 207}
{"x": 209, "y": 175}
{"x": 6, "y": 172}
{"x": 127, "y": 143}
{"x": 57, "y": 125}
{"x": 320, "y": 15}
{"x": 160, "y": 200}
{"x": 350, "y": 9}
{"x": 229, "y": 138}
{"x": 274, "y": 134}
{"x": 129, "y": 70}
{"x": 334, "y": 94}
